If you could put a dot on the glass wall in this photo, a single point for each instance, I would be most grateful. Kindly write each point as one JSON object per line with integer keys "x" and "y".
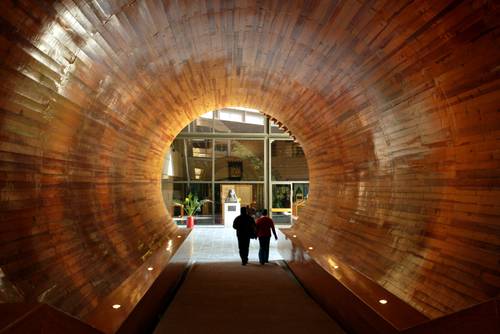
{"x": 282, "y": 203}
{"x": 189, "y": 159}
{"x": 176, "y": 192}
{"x": 276, "y": 129}
{"x": 204, "y": 124}
{"x": 239, "y": 160}
{"x": 229, "y": 120}
{"x": 299, "y": 199}
{"x": 238, "y": 121}
{"x": 288, "y": 162}
{"x": 238, "y": 149}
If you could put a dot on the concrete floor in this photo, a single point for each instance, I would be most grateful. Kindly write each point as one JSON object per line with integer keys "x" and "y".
{"x": 219, "y": 295}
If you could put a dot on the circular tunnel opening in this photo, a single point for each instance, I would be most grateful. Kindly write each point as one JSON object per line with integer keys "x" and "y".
{"x": 238, "y": 151}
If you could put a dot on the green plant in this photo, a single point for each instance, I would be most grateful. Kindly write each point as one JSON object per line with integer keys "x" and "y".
{"x": 191, "y": 204}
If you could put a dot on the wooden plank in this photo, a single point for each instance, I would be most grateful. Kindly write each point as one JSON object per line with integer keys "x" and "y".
{"x": 394, "y": 103}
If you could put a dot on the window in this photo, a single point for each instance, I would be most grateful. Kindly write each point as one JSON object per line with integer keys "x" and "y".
{"x": 173, "y": 192}
{"x": 189, "y": 159}
{"x": 239, "y": 160}
{"x": 227, "y": 149}
{"x": 288, "y": 161}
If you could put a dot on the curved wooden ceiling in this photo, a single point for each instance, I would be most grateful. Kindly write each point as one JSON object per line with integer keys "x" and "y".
{"x": 394, "y": 102}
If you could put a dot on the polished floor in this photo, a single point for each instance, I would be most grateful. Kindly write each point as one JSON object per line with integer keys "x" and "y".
{"x": 219, "y": 244}
{"x": 219, "y": 295}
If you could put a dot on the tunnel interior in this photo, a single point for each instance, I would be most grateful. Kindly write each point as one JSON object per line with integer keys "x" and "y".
{"x": 395, "y": 104}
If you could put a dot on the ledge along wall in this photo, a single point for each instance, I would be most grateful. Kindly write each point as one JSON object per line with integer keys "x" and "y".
{"x": 394, "y": 102}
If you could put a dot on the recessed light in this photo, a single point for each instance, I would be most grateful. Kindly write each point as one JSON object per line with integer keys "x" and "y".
{"x": 295, "y": 236}
{"x": 382, "y": 301}
{"x": 150, "y": 268}
{"x": 310, "y": 248}
{"x": 333, "y": 264}
{"x": 116, "y": 306}
{"x": 179, "y": 236}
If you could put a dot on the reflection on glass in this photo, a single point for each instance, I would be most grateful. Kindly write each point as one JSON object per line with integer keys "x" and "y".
{"x": 251, "y": 195}
{"x": 300, "y": 194}
{"x": 203, "y": 124}
{"x": 239, "y": 160}
{"x": 207, "y": 115}
{"x": 238, "y": 121}
{"x": 288, "y": 161}
{"x": 276, "y": 129}
{"x": 178, "y": 191}
{"x": 189, "y": 160}
{"x": 282, "y": 205}
{"x": 281, "y": 196}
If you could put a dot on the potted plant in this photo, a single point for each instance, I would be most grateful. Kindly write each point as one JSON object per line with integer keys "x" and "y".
{"x": 191, "y": 206}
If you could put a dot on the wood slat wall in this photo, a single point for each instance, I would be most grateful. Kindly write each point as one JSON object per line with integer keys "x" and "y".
{"x": 394, "y": 102}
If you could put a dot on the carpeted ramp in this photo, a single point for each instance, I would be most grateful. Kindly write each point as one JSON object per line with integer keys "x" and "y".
{"x": 231, "y": 298}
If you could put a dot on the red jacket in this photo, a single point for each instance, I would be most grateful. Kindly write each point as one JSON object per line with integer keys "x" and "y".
{"x": 264, "y": 226}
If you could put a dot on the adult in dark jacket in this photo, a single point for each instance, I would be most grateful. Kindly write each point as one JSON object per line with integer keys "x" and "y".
{"x": 245, "y": 230}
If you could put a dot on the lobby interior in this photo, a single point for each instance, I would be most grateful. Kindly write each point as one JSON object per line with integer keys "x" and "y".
{"x": 395, "y": 108}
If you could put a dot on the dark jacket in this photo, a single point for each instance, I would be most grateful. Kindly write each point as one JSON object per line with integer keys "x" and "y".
{"x": 244, "y": 226}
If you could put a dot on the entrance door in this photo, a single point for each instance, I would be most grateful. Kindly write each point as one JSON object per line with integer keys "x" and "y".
{"x": 299, "y": 199}
{"x": 281, "y": 210}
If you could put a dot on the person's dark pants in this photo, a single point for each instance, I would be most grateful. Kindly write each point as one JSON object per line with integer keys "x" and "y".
{"x": 243, "y": 245}
{"x": 264, "y": 249}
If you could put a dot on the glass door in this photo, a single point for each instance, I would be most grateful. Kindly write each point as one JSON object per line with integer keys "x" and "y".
{"x": 299, "y": 199}
{"x": 281, "y": 209}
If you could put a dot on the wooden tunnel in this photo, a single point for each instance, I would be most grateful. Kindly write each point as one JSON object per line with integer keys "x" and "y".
{"x": 396, "y": 104}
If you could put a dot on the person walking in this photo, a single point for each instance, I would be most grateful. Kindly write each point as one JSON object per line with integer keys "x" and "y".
{"x": 245, "y": 230}
{"x": 264, "y": 227}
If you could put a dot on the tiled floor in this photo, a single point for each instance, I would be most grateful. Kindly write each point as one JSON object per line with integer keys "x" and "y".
{"x": 219, "y": 244}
